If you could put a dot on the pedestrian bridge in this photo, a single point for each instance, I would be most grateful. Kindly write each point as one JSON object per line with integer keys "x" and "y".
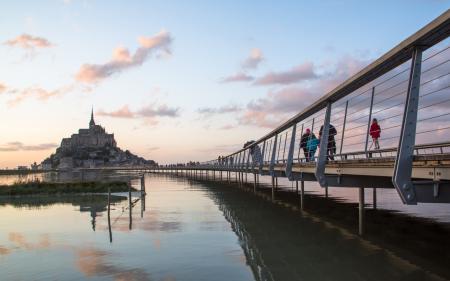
{"x": 407, "y": 90}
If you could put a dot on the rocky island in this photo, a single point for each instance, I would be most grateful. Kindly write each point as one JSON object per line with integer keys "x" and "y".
{"x": 91, "y": 148}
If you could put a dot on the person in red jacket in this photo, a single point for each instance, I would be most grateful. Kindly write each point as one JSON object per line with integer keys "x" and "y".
{"x": 375, "y": 132}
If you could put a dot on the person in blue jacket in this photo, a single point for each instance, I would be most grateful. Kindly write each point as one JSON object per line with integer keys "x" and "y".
{"x": 311, "y": 146}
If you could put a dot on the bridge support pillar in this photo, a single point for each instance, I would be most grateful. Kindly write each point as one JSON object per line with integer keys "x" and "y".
{"x": 254, "y": 184}
{"x": 326, "y": 191}
{"x": 374, "y": 198}
{"x": 273, "y": 188}
{"x": 276, "y": 183}
{"x": 302, "y": 195}
{"x": 361, "y": 212}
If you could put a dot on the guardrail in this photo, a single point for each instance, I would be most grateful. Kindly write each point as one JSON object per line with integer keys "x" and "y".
{"x": 406, "y": 90}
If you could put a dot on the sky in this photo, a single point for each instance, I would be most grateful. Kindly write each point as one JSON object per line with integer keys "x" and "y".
{"x": 181, "y": 80}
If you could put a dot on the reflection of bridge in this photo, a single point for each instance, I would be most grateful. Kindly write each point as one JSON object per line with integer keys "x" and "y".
{"x": 407, "y": 90}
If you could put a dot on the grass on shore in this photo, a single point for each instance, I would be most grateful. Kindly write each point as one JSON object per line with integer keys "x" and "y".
{"x": 37, "y": 187}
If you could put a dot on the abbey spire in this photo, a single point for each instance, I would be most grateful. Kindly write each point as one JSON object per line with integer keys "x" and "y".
{"x": 92, "y": 122}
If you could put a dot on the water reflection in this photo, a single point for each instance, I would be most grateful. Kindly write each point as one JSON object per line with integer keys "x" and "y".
{"x": 190, "y": 231}
{"x": 279, "y": 244}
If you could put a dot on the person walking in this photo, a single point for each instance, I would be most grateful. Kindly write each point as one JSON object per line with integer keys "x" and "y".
{"x": 304, "y": 141}
{"x": 311, "y": 146}
{"x": 331, "y": 145}
{"x": 375, "y": 132}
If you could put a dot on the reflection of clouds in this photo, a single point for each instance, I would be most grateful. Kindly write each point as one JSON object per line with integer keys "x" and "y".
{"x": 152, "y": 221}
{"x": 91, "y": 262}
{"x": 156, "y": 243}
{"x": 19, "y": 241}
{"x": 4, "y": 251}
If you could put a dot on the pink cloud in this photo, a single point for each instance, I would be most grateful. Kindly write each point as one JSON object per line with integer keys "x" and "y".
{"x": 238, "y": 77}
{"x": 149, "y": 113}
{"x": 27, "y": 41}
{"x": 254, "y": 59}
{"x": 227, "y": 127}
{"x": 302, "y": 72}
{"x": 122, "y": 59}
{"x": 37, "y": 92}
{"x": 2, "y": 88}
{"x": 279, "y": 105}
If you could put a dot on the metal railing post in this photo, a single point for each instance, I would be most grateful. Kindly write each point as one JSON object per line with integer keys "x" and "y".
{"x": 299, "y": 148}
{"x": 291, "y": 153}
{"x": 272, "y": 161}
{"x": 343, "y": 129}
{"x": 368, "y": 123}
{"x": 322, "y": 157}
{"x": 261, "y": 164}
{"x": 404, "y": 160}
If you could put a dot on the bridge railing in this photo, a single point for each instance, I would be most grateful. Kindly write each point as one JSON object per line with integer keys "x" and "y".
{"x": 407, "y": 90}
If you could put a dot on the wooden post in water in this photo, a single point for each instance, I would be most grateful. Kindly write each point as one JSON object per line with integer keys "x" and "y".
{"x": 254, "y": 185}
{"x": 276, "y": 182}
{"x": 129, "y": 206}
{"x": 109, "y": 214}
{"x": 296, "y": 192}
{"x": 361, "y": 212}
{"x": 326, "y": 191}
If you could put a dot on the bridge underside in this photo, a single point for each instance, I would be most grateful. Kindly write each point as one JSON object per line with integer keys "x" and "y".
{"x": 430, "y": 174}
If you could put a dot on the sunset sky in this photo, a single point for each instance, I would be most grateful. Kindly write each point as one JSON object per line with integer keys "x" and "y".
{"x": 180, "y": 80}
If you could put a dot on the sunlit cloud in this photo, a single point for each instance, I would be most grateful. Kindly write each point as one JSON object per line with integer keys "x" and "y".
{"x": 227, "y": 127}
{"x": 254, "y": 59}
{"x": 278, "y": 105}
{"x": 27, "y": 41}
{"x": 19, "y": 146}
{"x": 219, "y": 110}
{"x": 300, "y": 73}
{"x": 238, "y": 77}
{"x": 149, "y": 113}
{"x": 122, "y": 59}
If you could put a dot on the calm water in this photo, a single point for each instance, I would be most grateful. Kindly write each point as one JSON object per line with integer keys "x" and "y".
{"x": 186, "y": 230}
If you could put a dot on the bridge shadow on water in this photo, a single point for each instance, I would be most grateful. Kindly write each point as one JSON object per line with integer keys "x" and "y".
{"x": 283, "y": 243}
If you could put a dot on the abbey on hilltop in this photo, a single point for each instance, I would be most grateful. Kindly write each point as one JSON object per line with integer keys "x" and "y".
{"x": 90, "y": 148}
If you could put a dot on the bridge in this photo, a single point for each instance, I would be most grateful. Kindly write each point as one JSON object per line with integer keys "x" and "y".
{"x": 407, "y": 90}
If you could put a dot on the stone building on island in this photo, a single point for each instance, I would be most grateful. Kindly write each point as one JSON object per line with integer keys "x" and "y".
{"x": 90, "y": 148}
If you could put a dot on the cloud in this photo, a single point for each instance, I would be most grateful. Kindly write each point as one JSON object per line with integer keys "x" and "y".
{"x": 17, "y": 95}
{"x": 161, "y": 110}
{"x": 302, "y": 72}
{"x": 219, "y": 110}
{"x": 39, "y": 93}
{"x": 251, "y": 62}
{"x": 149, "y": 113}
{"x": 227, "y": 127}
{"x": 153, "y": 148}
{"x": 18, "y": 146}
{"x": 238, "y": 77}
{"x": 29, "y": 42}
{"x": 254, "y": 59}
{"x": 122, "y": 59}
{"x": 280, "y": 104}
{"x": 3, "y": 88}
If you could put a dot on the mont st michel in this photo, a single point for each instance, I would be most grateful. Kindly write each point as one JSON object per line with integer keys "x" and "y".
{"x": 91, "y": 148}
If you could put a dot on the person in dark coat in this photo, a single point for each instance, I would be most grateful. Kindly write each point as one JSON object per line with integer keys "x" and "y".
{"x": 331, "y": 145}
{"x": 304, "y": 141}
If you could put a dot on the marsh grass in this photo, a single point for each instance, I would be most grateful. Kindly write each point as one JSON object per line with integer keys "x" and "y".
{"x": 49, "y": 188}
